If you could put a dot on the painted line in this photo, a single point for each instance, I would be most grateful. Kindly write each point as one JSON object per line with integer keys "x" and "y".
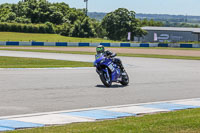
{"x": 6, "y": 129}
{"x": 53, "y": 119}
{"x": 191, "y": 102}
{"x": 105, "y": 44}
{"x": 18, "y": 124}
{"x": 105, "y": 107}
{"x": 61, "y": 68}
{"x": 125, "y": 45}
{"x": 89, "y": 114}
{"x": 99, "y": 114}
{"x": 170, "y": 106}
{"x": 137, "y": 110}
{"x": 12, "y": 43}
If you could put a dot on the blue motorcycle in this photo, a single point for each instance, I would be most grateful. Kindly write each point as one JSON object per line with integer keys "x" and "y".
{"x": 109, "y": 71}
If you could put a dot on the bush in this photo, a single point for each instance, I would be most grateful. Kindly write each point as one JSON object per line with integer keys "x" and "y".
{"x": 28, "y": 28}
{"x": 25, "y": 29}
{"x": 35, "y": 29}
{"x": 42, "y": 29}
{"x": 20, "y": 28}
{"x": 7, "y": 27}
{"x": 2, "y": 27}
{"x": 13, "y": 27}
{"x": 49, "y": 27}
{"x": 65, "y": 30}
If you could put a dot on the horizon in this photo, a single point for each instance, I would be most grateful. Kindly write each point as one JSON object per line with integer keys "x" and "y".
{"x": 156, "y": 14}
{"x": 189, "y": 8}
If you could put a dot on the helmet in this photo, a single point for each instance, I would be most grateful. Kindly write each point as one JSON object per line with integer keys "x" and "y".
{"x": 100, "y": 49}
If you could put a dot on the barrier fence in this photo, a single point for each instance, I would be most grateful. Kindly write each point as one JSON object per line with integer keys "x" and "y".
{"x": 81, "y": 44}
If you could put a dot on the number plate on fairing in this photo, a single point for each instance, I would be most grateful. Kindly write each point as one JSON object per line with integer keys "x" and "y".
{"x": 111, "y": 67}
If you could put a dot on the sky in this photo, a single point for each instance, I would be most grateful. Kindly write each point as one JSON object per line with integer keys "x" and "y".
{"x": 173, "y": 7}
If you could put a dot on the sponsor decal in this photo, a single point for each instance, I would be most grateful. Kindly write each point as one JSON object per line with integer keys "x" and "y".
{"x": 163, "y": 37}
{"x": 167, "y": 37}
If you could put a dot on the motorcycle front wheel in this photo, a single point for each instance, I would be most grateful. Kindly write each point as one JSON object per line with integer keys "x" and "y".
{"x": 105, "y": 79}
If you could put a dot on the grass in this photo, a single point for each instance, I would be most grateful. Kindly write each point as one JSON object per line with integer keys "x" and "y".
{"x": 15, "y": 36}
{"x": 185, "y": 121}
{"x": 120, "y": 54}
{"x": 18, "y": 62}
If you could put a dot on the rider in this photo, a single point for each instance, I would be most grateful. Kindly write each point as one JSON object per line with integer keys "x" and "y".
{"x": 101, "y": 50}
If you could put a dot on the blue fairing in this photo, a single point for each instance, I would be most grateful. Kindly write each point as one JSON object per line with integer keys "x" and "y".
{"x": 101, "y": 60}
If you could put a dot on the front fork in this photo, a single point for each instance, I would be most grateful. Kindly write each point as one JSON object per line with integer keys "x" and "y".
{"x": 99, "y": 72}
{"x": 107, "y": 73}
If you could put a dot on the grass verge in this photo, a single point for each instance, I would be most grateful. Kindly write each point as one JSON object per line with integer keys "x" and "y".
{"x": 18, "y": 62}
{"x": 120, "y": 54}
{"x": 15, "y": 36}
{"x": 185, "y": 121}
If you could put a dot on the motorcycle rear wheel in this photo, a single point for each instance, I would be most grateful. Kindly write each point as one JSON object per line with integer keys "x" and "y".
{"x": 125, "y": 79}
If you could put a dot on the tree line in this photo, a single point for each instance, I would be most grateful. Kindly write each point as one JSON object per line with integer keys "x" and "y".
{"x": 41, "y": 16}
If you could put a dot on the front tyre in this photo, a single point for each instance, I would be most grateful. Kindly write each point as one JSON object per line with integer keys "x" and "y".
{"x": 125, "y": 79}
{"x": 106, "y": 80}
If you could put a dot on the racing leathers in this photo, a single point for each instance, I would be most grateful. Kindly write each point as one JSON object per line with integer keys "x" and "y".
{"x": 117, "y": 61}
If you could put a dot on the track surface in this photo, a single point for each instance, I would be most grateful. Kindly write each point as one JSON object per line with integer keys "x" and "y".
{"x": 25, "y": 91}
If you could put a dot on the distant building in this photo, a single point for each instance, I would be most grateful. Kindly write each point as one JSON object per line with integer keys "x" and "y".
{"x": 170, "y": 34}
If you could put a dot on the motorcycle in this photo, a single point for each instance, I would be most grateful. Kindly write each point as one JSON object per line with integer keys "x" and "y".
{"x": 109, "y": 71}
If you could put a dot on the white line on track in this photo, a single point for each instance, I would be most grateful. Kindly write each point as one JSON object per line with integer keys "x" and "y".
{"x": 61, "y": 68}
{"x": 83, "y": 109}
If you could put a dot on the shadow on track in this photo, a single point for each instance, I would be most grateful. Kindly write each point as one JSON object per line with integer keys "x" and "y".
{"x": 113, "y": 86}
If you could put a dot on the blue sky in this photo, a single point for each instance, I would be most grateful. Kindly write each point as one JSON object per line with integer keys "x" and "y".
{"x": 176, "y": 7}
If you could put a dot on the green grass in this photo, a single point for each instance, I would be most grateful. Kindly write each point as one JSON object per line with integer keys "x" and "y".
{"x": 18, "y": 62}
{"x": 14, "y": 36}
{"x": 120, "y": 54}
{"x": 185, "y": 121}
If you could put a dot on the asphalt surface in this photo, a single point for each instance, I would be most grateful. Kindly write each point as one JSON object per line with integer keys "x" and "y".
{"x": 24, "y": 91}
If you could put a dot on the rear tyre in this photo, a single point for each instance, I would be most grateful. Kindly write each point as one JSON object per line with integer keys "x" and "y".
{"x": 105, "y": 79}
{"x": 125, "y": 79}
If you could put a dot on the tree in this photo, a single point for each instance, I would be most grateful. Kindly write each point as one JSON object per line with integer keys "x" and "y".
{"x": 23, "y": 19}
{"x": 64, "y": 29}
{"x": 99, "y": 30}
{"x": 86, "y": 26}
{"x": 11, "y": 17}
{"x": 151, "y": 22}
{"x": 82, "y": 28}
{"x": 119, "y": 23}
{"x": 56, "y": 17}
{"x": 4, "y": 13}
{"x": 45, "y": 17}
{"x": 50, "y": 27}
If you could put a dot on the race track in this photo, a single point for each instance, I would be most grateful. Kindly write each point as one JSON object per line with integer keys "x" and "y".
{"x": 25, "y": 91}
